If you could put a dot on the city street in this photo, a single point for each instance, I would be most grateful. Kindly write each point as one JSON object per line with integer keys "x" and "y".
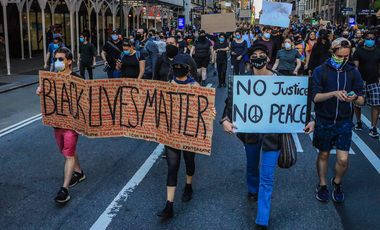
{"x": 125, "y": 182}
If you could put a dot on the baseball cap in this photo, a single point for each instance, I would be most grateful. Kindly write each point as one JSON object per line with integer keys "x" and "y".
{"x": 114, "y": 31}
{"x": 337, "y": 43}
{"x": 181, "y": 59}
{"x": 258, "y": 46}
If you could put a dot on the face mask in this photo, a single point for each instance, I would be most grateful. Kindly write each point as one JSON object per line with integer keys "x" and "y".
{"x": 161, "y": 37}
{"x": 115, "y": 37}
{"x": 296, "y": 38}
{"x": 221, "y": 40}
{"x": 259, "y": 63}
{"x": 127, "y": 52}
{"x": 337, "y": 62}
{"x": 60, "y": 65}
{"x": 171, "y": 51}
{"x": 56, "y": 46}
{"x": 345, "y": 35}
{"x": 131, "y": 40}
{"x": 81, "y": 39}
{"x": 218, "y": 34}
{"x": 307, "y": 27}
{"x": 180, "y": 72}
{"x": 369, "y": 43}
{"x": 138, "y": 36}
{"x": 238, "y": 37}
{"x": 288, "y": 46}
{"x": 267, "y": 35}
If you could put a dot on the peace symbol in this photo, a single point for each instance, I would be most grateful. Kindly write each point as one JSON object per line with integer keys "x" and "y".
{"x": 258, "y": 114}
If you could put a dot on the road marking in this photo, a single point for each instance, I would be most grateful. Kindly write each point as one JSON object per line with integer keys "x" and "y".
{"x": 367, "y": 152}
{"x": 298, "y": 143}
{"x": 209, "y": 85}
{"x": 19, "y": 125}
{"x": 105, "y": 219}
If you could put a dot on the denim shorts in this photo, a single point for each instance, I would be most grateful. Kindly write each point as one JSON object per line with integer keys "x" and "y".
{"x": 328, "y": 135}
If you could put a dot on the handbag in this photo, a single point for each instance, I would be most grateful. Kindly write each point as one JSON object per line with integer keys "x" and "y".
{"x": 288, "y": 153}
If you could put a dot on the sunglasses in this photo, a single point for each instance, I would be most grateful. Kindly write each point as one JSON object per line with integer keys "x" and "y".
{"x": 59, "y": 59}
{"x": 373, "y": 39}
{"x": 261, "y": 56}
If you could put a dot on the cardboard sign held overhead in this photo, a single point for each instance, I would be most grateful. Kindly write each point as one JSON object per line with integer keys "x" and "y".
{"x": 276, "y": 14}
{"x": 245, "y": 14}
{"x": 214, "y": 23}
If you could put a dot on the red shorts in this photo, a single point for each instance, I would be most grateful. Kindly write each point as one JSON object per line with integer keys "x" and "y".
{"x": 67, "y": 141}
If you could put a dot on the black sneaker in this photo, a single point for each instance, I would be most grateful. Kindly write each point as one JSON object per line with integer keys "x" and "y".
{"x": 337, "y": 194}
{"x": 62, "y": 196}
{"x": 252, "y": 197}
{"x": 77, "y": 177}
{"x": 187, "y": 193}
{"x": 359, "y": 126}
{"x": 322, "y": 193}
{"x": 219, "y": 85}
{"x": 215, "y": 73}
{"x": 168, "y": 210}
{"x": 373, "y": 132}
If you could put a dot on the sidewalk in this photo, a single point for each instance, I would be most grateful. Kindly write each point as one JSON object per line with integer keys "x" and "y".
{"x": 24, "y": 73}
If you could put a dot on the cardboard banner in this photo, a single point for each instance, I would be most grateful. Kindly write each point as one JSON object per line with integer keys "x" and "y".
{"x": 179, "y": 116}
{"x": 269, "y": 104}
{"x": 216, "y": 23}
{"x": 245, "y": 13}
{"x": 276, "y": 14}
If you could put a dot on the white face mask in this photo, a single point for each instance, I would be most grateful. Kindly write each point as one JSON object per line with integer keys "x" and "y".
{"x": 60, "y": 66}
{"x": 288, "y": 46}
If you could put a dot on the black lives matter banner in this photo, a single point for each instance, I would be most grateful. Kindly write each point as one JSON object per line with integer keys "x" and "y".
{"x": 270, "y": 104}
{"x": 179, "y": 116}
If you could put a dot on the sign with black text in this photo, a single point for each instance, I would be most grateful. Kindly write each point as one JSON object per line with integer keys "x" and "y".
{"x": 269, "y": 104}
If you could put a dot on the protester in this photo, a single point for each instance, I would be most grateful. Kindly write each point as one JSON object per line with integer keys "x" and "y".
{"x": 202, "y": 51}
{"x": 310, "y": 40}
{"x": 239, "y": 50}
{"x": 333, "y": 123}
{"x": 287, "y": 58}
{"x": 367, "y": 61}
{"x": 163, "y": 70}
{"x": 66, "y": 139}
{"x": 260, "y": 184}
{"x": 266, "y": 40}
{"x": 181, "y": 76}
{"x": 111, "y": 52}
{"x": 57, "y": 43}
{"x": 131, "y": 63}
{"x": 303, "y": 50}
{"x": 86, "y": 56}
{"x": 149, "y": 50}
{"x": 182, "y": 44}
{"x": 320, "y": 51}
{"x": 49, "y": 36}
{"x": 220, "y": 48}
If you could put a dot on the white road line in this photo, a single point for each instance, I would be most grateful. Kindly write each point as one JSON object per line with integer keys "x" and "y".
{"x": 333, "y": 151}
{"x": 209, "y": 85}
{"x": 105, "y": 219}
{"x": 298, "y": 143}
{"x": 367, "y": 152}
{"x": 366, "y": 121}
{"x": 19, "y": 125}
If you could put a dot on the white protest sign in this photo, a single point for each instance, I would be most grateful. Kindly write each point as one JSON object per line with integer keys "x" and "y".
{"x": 269, "y": 104}
{"x": 276, "y": 14}
{"x": 161, "y": 46}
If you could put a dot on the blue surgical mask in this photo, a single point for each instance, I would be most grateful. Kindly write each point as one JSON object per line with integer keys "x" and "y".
{"x": 131, "y": 40}
{"x": 56, "y": 46}
{"x": 238, "y": 37}
{"x": 218, "y": 34}
{"x": 127, "y": 52}
{"x": 222, "y": 39}
{"x": 115, "y": 37}
{"x": 369, "y": 43}
{"x": 307, "y": 27}
{"x": 267, "y": 35}
{"x": 81, "y": 39}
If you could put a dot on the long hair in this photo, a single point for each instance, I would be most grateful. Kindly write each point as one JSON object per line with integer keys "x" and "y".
{"x": 321, "y": 48}
{"x": 308, "y": 36}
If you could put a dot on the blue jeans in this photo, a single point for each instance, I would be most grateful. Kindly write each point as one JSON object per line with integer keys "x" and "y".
{"x": 264, "y": 185}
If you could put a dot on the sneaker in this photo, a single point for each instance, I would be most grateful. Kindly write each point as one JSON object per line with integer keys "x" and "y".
{"x": 62, "y": 196}
{"x": 215, "y": 73}
{"x": 322, "y": 193}
{"x": 252, "y": 197}
{"x": 359, "y": 126}
{"x": 164, "y": 155}
{"x": 77, "y": 177}
{"x": 373, "y": 132}
{"x": 187, "y": 193}
{"x": 168, "y": 210}
{"x": 220, "y": 86}
{"x": 337, "y": 194}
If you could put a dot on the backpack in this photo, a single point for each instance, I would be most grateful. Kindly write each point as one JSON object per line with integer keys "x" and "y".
{"x": 137, "y": 55}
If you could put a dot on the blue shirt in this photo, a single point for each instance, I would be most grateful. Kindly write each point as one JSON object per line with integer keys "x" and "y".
{"x": 51, "y": 50}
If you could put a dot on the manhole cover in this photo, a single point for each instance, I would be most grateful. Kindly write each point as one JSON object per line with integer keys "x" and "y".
{"x": 3, "y": 83}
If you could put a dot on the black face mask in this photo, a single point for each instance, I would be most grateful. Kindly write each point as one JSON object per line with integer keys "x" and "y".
{"x": 171, "y": 51}
{"x": 259, "y": 63}
{"x": 296, "y": 38}
{"x": 138, "y": 36}
{"x": 345, "y": 35}
{"x": 202, "y": 38}
{"x": 180, "y": 72}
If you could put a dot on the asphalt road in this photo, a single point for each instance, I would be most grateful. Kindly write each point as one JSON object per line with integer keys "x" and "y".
{"x": 31, "y": 172}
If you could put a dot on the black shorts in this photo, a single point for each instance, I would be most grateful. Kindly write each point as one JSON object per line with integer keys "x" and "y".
{"x": 202, "y": 62}
{"x": 327, "y": 135}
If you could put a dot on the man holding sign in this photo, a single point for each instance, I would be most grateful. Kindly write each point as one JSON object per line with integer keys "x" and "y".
{"x": 260, "y": 184}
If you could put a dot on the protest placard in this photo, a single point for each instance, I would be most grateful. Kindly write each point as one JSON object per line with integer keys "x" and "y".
{"x": 245, "y": 13}
{"x": 269, "y": 104}
{"x": 161, "y": 46}
{"x": 214, "y": 23}
{"x": 179, "y": 116}
{"x": 275, "y": 14}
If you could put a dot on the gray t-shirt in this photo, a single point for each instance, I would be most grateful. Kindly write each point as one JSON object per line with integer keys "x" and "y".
{"x": 287, "y": 59}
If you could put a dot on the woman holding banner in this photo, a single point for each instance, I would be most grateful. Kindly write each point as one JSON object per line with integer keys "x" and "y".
{"x": 181, "y": 72}
{"x": 260, "y": 184}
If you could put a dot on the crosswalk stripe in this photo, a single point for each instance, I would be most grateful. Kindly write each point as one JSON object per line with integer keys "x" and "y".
{"x": 298, "y": 143}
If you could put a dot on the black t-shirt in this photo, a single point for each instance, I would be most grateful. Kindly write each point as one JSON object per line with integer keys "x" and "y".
{"x": 130, "y": 67}
{"x": 369, "y": 61}
{"x": 112, "y": 53}
{"x": 87, "y": 52}
{"x": 202, "y": 49}
{"x": 181, "y": 46}
{"x": 221, "y": 54}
